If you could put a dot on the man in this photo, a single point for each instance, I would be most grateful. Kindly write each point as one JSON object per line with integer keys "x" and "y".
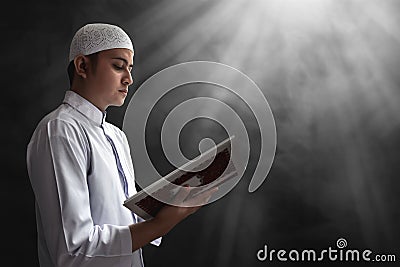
{"x": 80, "y": 166}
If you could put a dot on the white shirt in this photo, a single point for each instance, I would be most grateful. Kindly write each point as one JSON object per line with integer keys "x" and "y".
{"x": 78, "y": 192}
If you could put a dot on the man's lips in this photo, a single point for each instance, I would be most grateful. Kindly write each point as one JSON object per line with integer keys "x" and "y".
{"x": 125, "y": 91}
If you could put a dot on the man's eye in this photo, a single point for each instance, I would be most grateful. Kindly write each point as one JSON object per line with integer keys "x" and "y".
{"x": 118, "y": 67}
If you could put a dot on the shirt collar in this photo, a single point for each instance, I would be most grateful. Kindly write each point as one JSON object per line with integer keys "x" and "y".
{"x": 85, "y": 107}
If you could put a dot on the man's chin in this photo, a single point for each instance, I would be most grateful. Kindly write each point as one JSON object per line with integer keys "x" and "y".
{"x": 117, "y": 104}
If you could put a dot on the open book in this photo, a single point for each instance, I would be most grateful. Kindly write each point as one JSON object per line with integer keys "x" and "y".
{"x": 206, "y": 172}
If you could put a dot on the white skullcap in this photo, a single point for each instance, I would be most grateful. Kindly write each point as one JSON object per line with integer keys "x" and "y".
{"x": 97, "y": 37}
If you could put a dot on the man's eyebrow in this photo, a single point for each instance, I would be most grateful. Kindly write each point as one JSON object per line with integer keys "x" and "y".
{"x": 124, "y": 60}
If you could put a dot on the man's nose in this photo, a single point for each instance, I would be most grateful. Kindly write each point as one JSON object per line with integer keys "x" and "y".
{"x": 128, "y": 80}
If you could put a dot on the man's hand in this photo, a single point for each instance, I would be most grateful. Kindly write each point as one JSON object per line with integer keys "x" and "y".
{"x": 169, "y": 216}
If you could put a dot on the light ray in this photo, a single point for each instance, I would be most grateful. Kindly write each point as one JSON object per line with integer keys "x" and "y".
{"x": 329, "y": 69}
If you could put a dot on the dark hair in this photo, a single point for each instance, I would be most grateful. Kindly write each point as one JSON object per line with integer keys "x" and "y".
{"x": 71, "y": 66}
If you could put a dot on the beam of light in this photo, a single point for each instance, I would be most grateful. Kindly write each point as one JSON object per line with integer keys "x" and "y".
{"x": 181, "y": 37}
{"x": 329, "y": 69}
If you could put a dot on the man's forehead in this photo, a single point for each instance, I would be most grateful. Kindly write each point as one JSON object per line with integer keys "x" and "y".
{"x": 119, "y": 53}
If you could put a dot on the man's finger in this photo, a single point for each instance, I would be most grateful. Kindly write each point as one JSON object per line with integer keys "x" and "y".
{"x": 181, "y": 195}
{"x": 201, "y": 199}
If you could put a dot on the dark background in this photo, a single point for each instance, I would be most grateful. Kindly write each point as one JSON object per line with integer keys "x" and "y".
{"x": 330, "y": 71}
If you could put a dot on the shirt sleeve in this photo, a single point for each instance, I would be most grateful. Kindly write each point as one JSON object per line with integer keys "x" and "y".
{"x": 58, "y": 163}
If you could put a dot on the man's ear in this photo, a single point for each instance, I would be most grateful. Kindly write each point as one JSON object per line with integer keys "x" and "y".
{"x": 81, "y": 65}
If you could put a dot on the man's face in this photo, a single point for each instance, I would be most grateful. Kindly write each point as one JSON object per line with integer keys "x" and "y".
{"x": 110, "y": 77}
